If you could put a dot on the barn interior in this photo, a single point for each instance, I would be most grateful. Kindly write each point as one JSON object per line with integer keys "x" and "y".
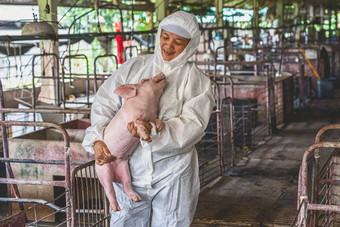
{"x": 270, "y": 153}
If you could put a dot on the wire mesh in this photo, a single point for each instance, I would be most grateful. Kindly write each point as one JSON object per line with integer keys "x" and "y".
{"x": 208, "y": 155}
{"x": 91, "y": 205}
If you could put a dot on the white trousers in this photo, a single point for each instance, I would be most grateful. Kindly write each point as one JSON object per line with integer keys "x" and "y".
{"x": 170, "y": 202}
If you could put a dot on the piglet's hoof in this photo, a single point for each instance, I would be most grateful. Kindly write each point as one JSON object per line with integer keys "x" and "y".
{"x": 147, "y": 139}
{"x": 115, "y": 209}
{"x": 140, "y": 129}
{"x": 134, "y": 197}
{"x": 146, "y": 124}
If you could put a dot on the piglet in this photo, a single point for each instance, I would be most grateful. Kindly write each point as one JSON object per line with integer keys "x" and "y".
{"x": 141, "y": 101}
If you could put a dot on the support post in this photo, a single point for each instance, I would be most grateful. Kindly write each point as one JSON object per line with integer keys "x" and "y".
{"x": 48, "y": 94}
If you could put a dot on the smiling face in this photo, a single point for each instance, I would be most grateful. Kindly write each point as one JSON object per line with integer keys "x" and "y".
{"x": 172, "y": 45}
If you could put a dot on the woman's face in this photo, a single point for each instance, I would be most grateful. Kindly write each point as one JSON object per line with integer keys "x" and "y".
{"x": 172, "y": 45}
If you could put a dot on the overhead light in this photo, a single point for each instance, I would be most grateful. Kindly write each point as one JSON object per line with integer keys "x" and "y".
{"x": 38, "y": 29}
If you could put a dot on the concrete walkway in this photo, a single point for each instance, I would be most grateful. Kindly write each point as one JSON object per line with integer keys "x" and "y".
{"x": 261, "y": 190}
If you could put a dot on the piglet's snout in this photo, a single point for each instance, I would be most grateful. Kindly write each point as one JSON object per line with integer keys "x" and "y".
{"x": 159, "y": 78}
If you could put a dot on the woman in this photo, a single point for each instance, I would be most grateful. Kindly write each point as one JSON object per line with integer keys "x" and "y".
{"x": 164, "y": 172}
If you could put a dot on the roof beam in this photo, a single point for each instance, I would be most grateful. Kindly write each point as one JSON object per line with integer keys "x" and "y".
{"x": 19, "y": 2}
{"x": 143, "y": 5}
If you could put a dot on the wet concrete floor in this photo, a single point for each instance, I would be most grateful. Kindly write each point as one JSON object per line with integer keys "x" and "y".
{"x": 261, "y": 190}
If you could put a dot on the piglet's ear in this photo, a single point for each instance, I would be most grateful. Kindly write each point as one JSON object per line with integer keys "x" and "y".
{"x": 126, "y": 91}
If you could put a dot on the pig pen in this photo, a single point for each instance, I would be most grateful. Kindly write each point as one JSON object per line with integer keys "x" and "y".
{"x": 252, "y": 99}
{"x": 39, "y": 183}
{"x": 47, "y": 144}
{"x": 251, "y": 107}
{"x": 318, "y": 202}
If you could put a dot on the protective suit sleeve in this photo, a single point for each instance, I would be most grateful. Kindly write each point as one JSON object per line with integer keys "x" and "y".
{"x": 185, "y": 130}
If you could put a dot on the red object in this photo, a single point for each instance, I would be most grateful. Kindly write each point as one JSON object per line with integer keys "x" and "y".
{"x": 119, "y": 43}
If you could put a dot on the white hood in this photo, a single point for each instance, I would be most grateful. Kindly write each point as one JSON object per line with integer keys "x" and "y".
{"x": 189, "y": 22}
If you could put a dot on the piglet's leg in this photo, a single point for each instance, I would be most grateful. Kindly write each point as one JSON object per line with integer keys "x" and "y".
{"x": 140, "y": 128}
{"x": 123, "y": 174}
{"x": 106, "y": 177}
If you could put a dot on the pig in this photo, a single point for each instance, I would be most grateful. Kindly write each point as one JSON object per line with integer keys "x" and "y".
{"x": 123, "y": 133}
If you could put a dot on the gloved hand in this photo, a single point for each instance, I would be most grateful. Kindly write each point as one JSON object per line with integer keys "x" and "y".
{"x": 101, "y": 153}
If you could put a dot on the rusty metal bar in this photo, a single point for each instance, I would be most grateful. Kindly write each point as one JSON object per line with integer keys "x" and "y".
{"x": 330, "y": 182}
{"x": 218, "y": 120}
{"x": 33, "y": 182}
{"x": 84, "y": 181}
{"x": 67, "y": 183}
{"x": 270, "y": 88}
{"x": 33, "y": 161}
{"x": 77, "y": 56}
{"x": 231, "y": 94}
{"x": 40, "y": 124}
{"x": 53, "y": 76}
{"x": 324, "y": 129}
{"x": 316, "y": 173}
{"x": 6, "y": 154}
{"x": 25, "y": 200}
{"x": 58, "y": 111}
{"x": 232, "y": 63}
{"x": 323, "y": 207}
{"x": 302, "y": 187}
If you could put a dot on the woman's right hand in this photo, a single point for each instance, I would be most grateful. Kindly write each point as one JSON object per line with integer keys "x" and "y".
{"x": 101, "y": 153}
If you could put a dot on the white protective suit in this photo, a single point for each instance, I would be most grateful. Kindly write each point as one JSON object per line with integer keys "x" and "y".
{"x": 164, "y": 172}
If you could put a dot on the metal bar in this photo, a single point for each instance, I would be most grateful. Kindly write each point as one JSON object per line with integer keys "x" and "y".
{"x": 302, "y": 187}
{"x": 53, "y": 77}
{"x": 33, "y": 182}
{"x": 33, "y": 161}
{"x": 95, "y": 67}
{"x": 316, "y": 171}
{"x": 8, "y": 38}
{"x": 58, "y": 111}
{"x": 323, "y": 207}
{"x": 39, "y": 201}
{"x": 66, "y": 139}
{"x": 6, "y": 154}
{"x": 324, "y": 129}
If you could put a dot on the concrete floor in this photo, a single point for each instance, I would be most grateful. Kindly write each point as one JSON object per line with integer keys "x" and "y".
{"x": 261, "y": 190}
